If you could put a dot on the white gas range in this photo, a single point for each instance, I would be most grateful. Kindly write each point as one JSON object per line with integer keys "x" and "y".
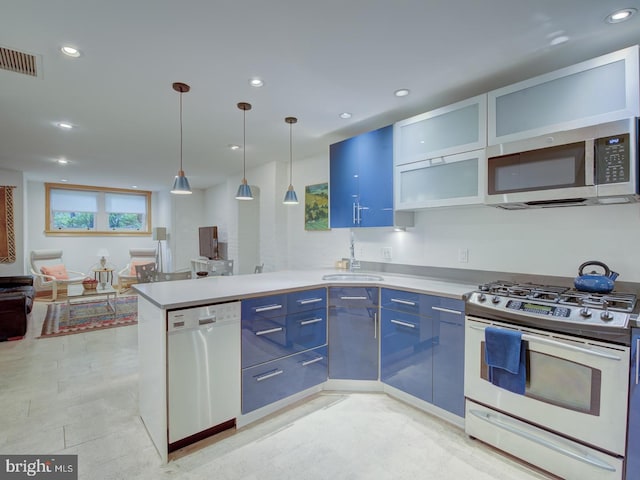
{"x": 571, "y": 419}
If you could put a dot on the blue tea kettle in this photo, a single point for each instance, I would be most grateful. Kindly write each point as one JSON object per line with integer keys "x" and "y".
{"x": 593, "y": 282}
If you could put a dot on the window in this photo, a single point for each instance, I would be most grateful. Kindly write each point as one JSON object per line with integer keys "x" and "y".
{"x": 76, "y": 209}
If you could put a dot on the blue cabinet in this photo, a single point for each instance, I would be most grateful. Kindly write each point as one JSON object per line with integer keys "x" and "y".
{"x": 406, "y": 358}
{"x": 353, "y": 333}
{"x": 422, "y": 347}
{"x": 633, "y": 440}
{"x": 448, "y": 354}
{"x": 284, "y": 343}
{"x": 361, "y": 180}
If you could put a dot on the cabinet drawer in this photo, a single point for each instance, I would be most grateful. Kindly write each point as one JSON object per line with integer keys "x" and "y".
{"x": 450, "y": 309}
{"x": 264, "y": 340}
{"x": 409, "y": 302}
{"x": 264, "y": 307}
{"x": 306, "y": 330}
{"x": 353, "y": 297}
{"x": 273, "y": 381}
{"x": 306, "y": 300}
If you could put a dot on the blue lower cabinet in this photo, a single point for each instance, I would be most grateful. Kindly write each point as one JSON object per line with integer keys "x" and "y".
{"x": 633, "y": 440}
{"x": 406, "y": 353}
{"x": 353, "y": 333}
{"x": 272, "y": 381}
{"x": 264, "y": 340}
{"x": 448, "y": 361}
{"x": 306, "y": 329}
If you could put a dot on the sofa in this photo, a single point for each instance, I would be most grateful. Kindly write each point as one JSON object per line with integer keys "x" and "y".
{"x": 16, "y": 301}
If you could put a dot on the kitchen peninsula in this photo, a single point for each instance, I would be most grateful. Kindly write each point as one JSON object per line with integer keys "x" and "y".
{"x": 299, "y": 332}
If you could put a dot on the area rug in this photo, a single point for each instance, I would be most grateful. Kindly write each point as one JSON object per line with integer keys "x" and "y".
{"x": 88, "y": 316}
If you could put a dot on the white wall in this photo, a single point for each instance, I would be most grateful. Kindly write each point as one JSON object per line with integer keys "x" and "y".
{"x": 15, "y": 179}
{"x": 544, "y": 241}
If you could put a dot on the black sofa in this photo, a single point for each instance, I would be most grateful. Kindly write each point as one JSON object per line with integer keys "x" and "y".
{"x": 16, "y": 301}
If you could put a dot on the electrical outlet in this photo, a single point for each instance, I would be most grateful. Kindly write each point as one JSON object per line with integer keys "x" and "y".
{"x": 463, "y": 255}
{"x": 386, "y": 253}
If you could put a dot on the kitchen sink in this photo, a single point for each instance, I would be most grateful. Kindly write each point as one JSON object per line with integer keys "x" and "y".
{"x": 352, "y": 277}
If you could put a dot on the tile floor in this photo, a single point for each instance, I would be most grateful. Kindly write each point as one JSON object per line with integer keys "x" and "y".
{"x": 77, "y": 394}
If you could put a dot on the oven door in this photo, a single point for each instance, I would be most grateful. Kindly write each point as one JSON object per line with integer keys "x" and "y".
{"x": 576, "y": 388}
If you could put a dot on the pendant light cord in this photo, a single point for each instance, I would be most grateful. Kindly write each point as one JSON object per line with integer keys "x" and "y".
{"x": 244, "y": 144}
{"x": 290, "y": 154}
{"x": 181, "y": 131}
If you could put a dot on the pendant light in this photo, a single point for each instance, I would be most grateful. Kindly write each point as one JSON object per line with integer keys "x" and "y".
{"x": 290, "y": 197}
{"x": 181, "y": 184}
{"x": 244, "y": 190}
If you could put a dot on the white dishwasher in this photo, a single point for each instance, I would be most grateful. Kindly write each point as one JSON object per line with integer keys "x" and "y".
{"x": 203, "y": 371}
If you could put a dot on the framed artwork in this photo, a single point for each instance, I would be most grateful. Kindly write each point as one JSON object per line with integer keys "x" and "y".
{"x": 316, "y": 207}
{"x": 7, "y": 233}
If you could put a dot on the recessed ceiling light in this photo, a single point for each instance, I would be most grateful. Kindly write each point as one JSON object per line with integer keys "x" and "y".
{"x": 64, "y": 125}
{"x": 403, "y": 92}
{"x": 256, "y": 82}
{"x": 70, "y": 51}
{"x": 64, "y": 180}
{"x": 234, "y": 147}
{"x": 559, "y": 40}
{"x": 621, "y": 15}
{"x": 134, "y": 186}
{"x": 62, "y": 161}
{"x": 345, "y": 115}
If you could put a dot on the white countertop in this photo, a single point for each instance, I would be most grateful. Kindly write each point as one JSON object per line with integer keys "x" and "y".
{"x": 207, "y": 290}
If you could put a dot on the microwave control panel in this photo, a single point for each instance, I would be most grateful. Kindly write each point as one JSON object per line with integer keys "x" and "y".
{"x": 612, "y": 159}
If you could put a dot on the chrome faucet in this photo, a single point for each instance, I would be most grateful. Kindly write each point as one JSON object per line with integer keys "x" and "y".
{"x": 353, "y": 263}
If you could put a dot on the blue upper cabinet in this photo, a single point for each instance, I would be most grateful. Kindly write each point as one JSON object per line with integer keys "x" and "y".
{"x": 361, "y": 180}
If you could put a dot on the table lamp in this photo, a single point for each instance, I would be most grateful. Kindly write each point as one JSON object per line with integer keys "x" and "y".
{"x": 103, "y": 253}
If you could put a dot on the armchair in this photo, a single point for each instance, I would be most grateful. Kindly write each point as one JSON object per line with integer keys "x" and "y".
{"x": 138, "y": 256}
{"x": 50, "y": 273}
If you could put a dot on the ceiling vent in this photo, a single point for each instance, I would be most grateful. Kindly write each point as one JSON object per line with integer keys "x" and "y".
{"x": 19, "y": 62}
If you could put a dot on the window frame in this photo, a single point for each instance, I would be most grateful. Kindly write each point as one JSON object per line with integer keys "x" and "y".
{"x": 101, "y": 191}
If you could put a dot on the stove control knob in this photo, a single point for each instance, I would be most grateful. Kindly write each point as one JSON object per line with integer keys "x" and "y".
{"x": 482, "y": 297}
{"x": 585, "y": 312}
{"x": 607, "y": 316}
{"x": 495, "y": 299}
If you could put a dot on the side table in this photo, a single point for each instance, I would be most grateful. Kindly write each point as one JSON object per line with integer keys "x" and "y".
{"x": 98, "y": 273}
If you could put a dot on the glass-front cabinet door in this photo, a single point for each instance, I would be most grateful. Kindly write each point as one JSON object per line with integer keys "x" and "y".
{"x": 440, "y": 182}
{"x": 456, "y": 128}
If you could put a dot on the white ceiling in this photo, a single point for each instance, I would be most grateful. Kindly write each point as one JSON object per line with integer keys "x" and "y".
{"x": 317, "y": 59}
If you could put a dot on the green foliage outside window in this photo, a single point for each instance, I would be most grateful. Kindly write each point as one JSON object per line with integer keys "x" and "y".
{"x": 125, "y": 221}
{"x": 73, "y": 220}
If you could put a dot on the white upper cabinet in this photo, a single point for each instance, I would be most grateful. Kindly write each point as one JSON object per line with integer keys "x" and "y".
{"x": 456, "y": 128}
{"x": 600, "y": 90}
{"x": 441, "y": 182}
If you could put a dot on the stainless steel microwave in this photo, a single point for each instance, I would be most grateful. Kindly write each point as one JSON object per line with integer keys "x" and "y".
{"x": 587, "y": 166}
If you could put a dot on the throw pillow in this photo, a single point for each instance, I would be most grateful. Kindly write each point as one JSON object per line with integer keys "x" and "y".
{"x": 58, "y": 272}
{"x": 132, "y": 271}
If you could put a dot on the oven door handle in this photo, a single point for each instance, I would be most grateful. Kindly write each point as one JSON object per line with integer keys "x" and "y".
{"x": 566, "y": 346}
{"x": 583, "y": 457}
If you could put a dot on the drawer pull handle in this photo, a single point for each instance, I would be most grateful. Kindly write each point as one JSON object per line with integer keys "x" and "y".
{"x": 271, "y": 330}
{"x": 354, "y": 298}
{"x": 403, "y": 302}
{"x": 268, "y": 307}
{"x": 309, "y": 322}
{"x": 447, "y": 310}
{"x": 404, "y": 324}
{"x": 307, "y": 301}
{"x": 275, "y": 373}
{"x": 315, "y": 360}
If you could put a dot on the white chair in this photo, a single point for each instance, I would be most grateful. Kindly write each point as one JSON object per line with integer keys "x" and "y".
{"x": 50, "y": 273}
{"x": 138, "y": 256}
